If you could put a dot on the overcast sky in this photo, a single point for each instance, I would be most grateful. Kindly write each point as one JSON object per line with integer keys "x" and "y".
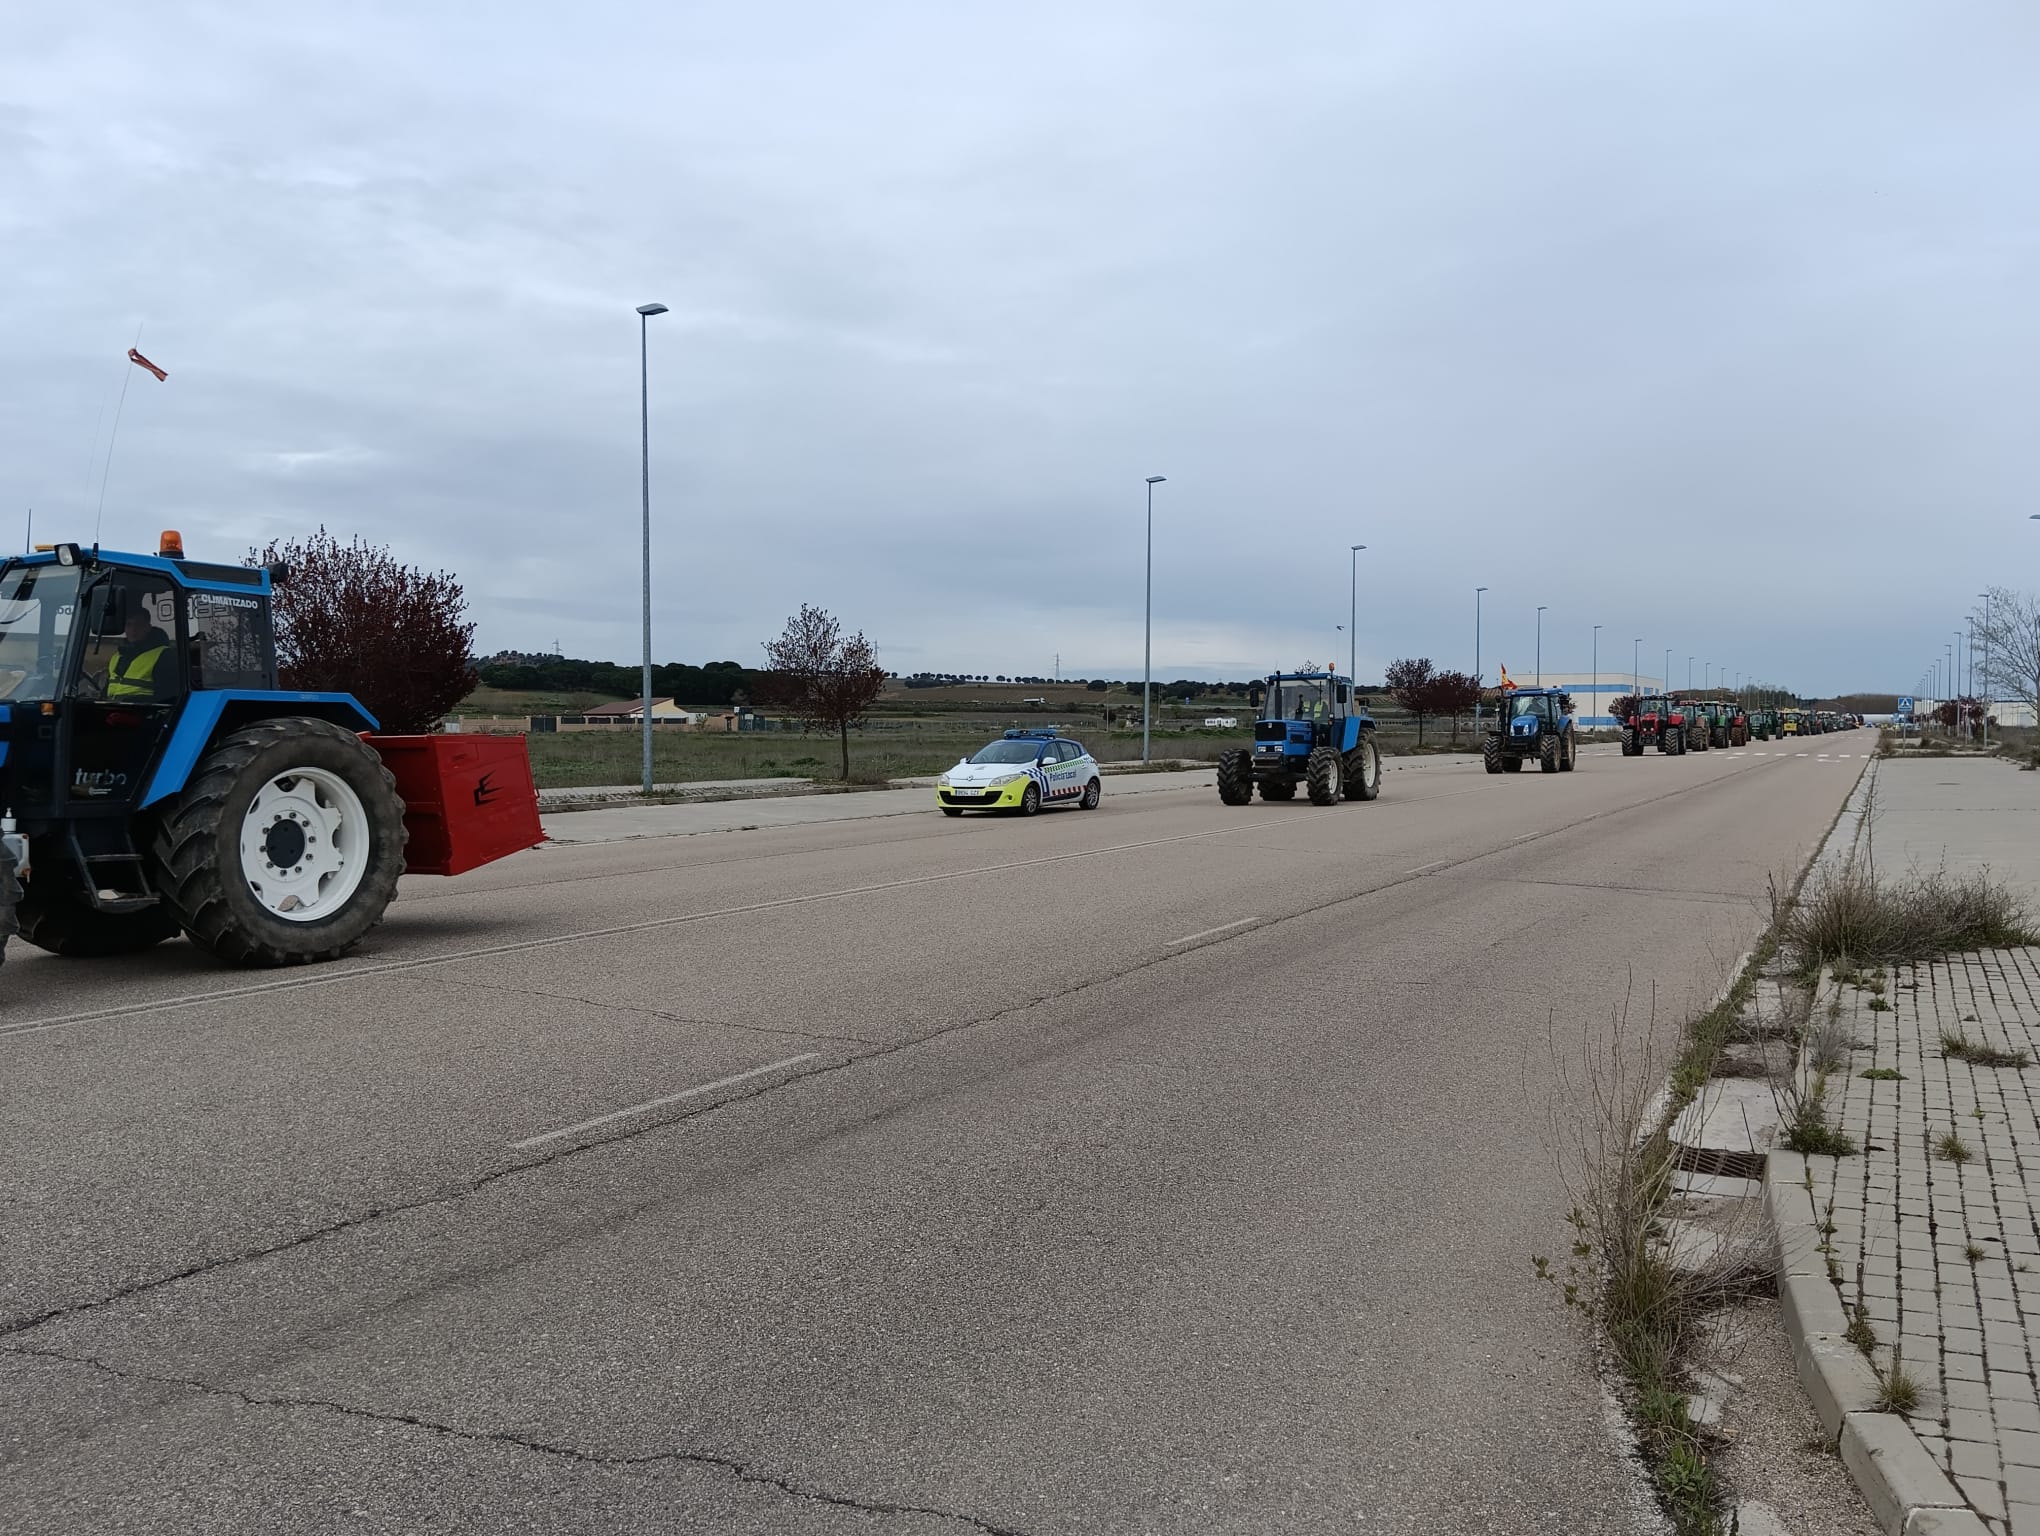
{"x": 1717, "y": 324}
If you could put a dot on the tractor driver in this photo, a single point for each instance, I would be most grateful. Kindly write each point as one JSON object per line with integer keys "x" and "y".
{"x": 133, "y": 672}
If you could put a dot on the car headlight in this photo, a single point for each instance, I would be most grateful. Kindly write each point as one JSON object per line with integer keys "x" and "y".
{"x": 942, "y": 781}
{"x": 1004, "y": 779}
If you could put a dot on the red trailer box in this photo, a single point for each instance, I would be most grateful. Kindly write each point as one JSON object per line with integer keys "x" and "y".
{"x": 468, "y": 800}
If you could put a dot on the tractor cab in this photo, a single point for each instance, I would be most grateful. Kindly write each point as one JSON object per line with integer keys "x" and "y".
{"x": 1304, "y": 710}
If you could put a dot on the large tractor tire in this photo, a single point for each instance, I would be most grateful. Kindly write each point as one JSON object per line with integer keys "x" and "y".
{"x": 1326, "y": 775}
{"x": 1491, "y": 753}
{"x": 1676, "y": 743}
{"x": 1632, "y": 742}
{"x": 1701, "y": 744}
{"x": 1547, "y": 753}
{"x": 1568, "y": 753}
{"x": 1283, "y": 788}
{"x": 56, "y": 915}
{"x": 284, "y": 847}
{"x": 10, "y": 898}
{"x": 1363, "y": 769}
{"x": 1739, "y": 736}
{"x": 1236, "y": 776}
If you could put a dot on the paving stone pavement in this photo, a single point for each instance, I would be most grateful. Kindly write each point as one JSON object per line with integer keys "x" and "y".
{"x": 1942, "y": 1255}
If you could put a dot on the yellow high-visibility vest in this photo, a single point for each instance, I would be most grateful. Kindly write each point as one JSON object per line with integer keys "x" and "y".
{"x": 136, "y": 678}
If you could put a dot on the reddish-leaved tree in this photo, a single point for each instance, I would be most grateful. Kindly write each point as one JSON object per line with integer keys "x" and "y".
{"x": 1452, "y": 695}
{"x": 352, "y": 618}
{"x": 828, "y": 680}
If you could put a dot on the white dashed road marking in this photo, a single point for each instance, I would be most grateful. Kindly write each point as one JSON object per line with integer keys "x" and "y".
{"x": 1207, "y": 933}
{"x": 671, "y": 1098}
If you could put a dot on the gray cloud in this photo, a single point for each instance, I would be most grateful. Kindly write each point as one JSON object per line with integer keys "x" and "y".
{"x": 1709, "y": 323}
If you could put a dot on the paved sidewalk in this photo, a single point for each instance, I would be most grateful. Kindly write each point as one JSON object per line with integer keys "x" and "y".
{"x": 1939, "y": 1254}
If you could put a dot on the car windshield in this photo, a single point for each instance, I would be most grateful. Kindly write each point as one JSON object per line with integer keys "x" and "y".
{"x": 1010, "y": 752}
{"x": 1297, "y": 700}
{"x": 36, "y": 604}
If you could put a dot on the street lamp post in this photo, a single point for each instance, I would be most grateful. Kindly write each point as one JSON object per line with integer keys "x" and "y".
{"x": 1594, "y": 694}
{"x": 1353, "y": 621}
{"x": 1147, "y": 649}
{"x": 1636, "y": 667}
{"x": 1540, "y": 645}
{"x": 645, "y": 313}
{"x": 1476, "y": 659}
{"x": 1689, "y": 674}
{"x": 1986, "y": 664}
{"x": 1666, "y": 681}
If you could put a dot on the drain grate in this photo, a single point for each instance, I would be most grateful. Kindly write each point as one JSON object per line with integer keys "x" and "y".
{"x": 1718, "y": 1163}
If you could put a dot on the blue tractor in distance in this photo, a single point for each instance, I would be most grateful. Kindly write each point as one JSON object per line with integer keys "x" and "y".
{"x": 156, "y": 779}
{"x": 1532, "y": 723}
{"x": 1312, "y": 730}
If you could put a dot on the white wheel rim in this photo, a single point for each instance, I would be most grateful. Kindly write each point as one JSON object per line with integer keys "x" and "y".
{"x": 304, "y": 845}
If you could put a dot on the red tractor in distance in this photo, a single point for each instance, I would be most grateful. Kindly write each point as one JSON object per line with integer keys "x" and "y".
{"x": 1693, "y": 715}
{"x": 1655, "y": 720}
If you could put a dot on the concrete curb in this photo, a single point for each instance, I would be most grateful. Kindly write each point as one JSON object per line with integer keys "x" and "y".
{"x": 1904, "y": 1486}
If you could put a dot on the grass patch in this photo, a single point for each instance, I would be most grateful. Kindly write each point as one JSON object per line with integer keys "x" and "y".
{"x": 1883, "y": 1075}
{"x": 1806, "y": 1125}
{"x": 1975, "y": 1253}
{"x": 1951, "y": 1148}
{"x": 1898, "y": 1391}
{"x": 1849, "y": 917}
{"x": 1860, "y": 1331}
{"x": 1957, "y": 1046}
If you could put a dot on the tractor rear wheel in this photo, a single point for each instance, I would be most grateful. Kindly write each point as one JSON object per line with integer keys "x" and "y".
{"x": 1547, "y": 754}
{"x": 1326, "y": 776}
{"x": 1283, "y": 788}
{"x": 1491, "y": 753}
{"x": 1236, "y": 776}
{"x": 58, "y": 916}
{"x": 1363, "y": 769}
{"x": 1568, "y": 753}
{"x": 285, "y": 845}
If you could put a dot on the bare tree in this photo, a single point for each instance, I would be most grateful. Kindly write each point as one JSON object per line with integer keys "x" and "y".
{"x": 352, "y": 618}
{"x": 2008, "y": 638}
{"x": 828, "y": 681}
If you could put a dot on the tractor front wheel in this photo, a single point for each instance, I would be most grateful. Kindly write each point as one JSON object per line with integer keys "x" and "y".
{"x": 1236, "y": 776}
{"x": 1547, "y": 754}
{"x": 1491, "y": 753}
{"x": 1363, "y": 769}
{"x": 284, "y": 847}
{"x": 1568, "y": 753}
{"x": 1326, "y": 777}
{"x": 1632, "y": 743}
{"x": 56, "y": 915}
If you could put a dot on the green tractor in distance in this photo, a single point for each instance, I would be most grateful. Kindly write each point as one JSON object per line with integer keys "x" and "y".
{"x": 1763, "y": 724}
{"x": 1727, "y": 725}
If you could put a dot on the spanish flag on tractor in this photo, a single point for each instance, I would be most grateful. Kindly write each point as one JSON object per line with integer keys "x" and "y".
{"x": 1508, "y": 682}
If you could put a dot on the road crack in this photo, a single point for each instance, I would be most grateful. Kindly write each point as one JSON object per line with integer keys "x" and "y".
{"x": 738, "y": 1469}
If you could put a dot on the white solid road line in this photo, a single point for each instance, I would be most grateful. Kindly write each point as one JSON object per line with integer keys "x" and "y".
{"x": 1221, "y": 928}
{"x": 1434, "y": 864}
{"x": 671, "y": 1098}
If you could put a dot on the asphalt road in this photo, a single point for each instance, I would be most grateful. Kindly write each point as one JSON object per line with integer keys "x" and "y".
{"x": 1167, "y": 1167}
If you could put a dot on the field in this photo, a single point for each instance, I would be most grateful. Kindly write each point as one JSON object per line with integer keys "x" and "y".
{"x": 886, "y": 749}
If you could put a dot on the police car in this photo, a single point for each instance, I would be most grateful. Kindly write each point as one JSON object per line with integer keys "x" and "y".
{"x": 1021, "y": 771}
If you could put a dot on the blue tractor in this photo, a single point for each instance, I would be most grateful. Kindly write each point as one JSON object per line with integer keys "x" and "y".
{"x": 156, "y": 780}
{"x": 1313, "y": 730}
{"x": 1532, "y": 723}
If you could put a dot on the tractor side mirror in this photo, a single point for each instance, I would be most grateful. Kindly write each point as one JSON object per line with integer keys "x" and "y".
{"x": 109, "y": 611}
